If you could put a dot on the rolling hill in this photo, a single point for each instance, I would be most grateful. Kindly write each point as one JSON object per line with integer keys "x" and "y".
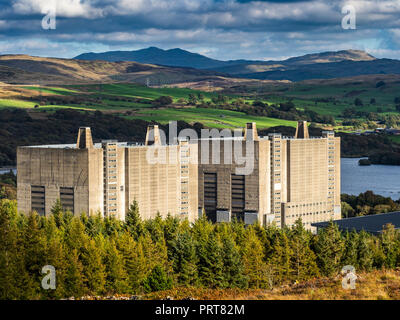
{"x": 325, "y": 65}
{"x": 173, "y": 57}
{"x": 24, "y": 69}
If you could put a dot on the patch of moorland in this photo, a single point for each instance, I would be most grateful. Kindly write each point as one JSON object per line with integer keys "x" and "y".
{"x": 375, "y": 285}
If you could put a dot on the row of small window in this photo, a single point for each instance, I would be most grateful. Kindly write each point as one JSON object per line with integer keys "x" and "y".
{"x": 305, "y": 214}
{"x": 306, "y": 205}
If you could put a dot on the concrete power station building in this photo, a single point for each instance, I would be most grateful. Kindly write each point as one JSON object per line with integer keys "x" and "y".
{"x": 291, "y": 177}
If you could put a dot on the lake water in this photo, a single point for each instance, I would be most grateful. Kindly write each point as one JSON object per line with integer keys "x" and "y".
{"x": 7, "y": 171}
{"x": 381, "y": 179}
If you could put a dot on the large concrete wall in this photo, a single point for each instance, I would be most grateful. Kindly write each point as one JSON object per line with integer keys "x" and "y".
{"x": 157, "y": 187}
{"x": 255, "y": 188}
{"x": 264, "y": 165}
{"x": 307, "y": 182}
{"x": 307, "y": 171}
{"x": 58, "y": 167}
{"x": 96, "y": 185}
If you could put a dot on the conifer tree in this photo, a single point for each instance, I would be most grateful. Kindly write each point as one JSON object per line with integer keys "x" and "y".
{"x": 9, "y": 286}
{"x": 378, "y": 256}
{"x": 329, "y": 246}
{"x": 116, "y": 279}
{"x": 155, "y": 228}
{"x": 171, "y": 228}
{"x": 233, "y": 265}
{"x": 239, "y": 232}
{"x": 133, "y": 222}
{"x": 183, "y": 257}
{"x": 253, "y": 260}
{"x": 74, "y": 279}
{"x": 93, "y": 267}
{"x": 55, "y": 256}
{"x": 210, "y": 264}
{"x": 364, "y": 251}
{"x": 390, "y": 245}
{"x": 281, "y": 257}
{"x": 303, "y": 260}
{"x": 350, "y": 254}
{"x": 157, "y": 280}
{"x": 136, "y": 264}
{"x": 57, "y": 211}
{"x": 112, "y": 226}
{"x": 94, "y": 224}
{"x": 201, "y": 229}
{"x": 34, "y": 244}
{"x": 75, "y": 236}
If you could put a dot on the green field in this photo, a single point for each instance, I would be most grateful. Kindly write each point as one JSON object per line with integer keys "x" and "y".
{"x": 209, "y": 117}
{"x": 58, "y": 91}
{"x": 134, "y": 101}
{"x": 117, "y": 98}
{"x": 334, "y": 99}
{"x": 141, "y": 92}
{"x": 9, "y": 103}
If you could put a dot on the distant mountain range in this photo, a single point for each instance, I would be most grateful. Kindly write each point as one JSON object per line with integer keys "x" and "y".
{"x": 25, "y": 69}
{"x": 160, "y": 67}
{"x": 325, "y": 65}
{"x": 173, "y": 58}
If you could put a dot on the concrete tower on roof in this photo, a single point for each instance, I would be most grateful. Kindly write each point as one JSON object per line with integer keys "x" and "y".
{"x": 84, "y": 138}
{"x": 153, "y": 135}
{"x": 302, "y": 130}
{"x": 250, "y": 132}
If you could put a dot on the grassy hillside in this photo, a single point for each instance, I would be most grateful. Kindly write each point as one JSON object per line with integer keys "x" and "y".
{"x": 331, "y": 97}
{"x": 134, "y": 101}
{"x": 324, "y": 97}
{"x": 209, "y": 117}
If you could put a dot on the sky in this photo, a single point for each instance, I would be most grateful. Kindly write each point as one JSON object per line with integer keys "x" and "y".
{"x": 220, "y": 29}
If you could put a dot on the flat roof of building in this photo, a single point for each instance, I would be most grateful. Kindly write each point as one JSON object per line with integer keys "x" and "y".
{"x": 140, "y": 144}
{"x": 371, "y": 223}
{"x": 96, "y": 145}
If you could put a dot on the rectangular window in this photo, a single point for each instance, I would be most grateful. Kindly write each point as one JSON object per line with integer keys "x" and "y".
{"x": 238, "y": 196}
{"x": 38, "y": 199}
{"x": 210, "y": 195}
{"x": 67, "y": 198}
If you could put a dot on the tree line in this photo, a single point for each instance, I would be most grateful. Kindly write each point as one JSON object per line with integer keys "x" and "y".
{"x": 101, "y": 256}
{"x": 367, "y": 203}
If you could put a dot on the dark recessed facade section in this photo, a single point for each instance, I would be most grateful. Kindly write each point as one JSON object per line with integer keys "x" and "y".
{"x": 67, "y": 199}
{"x": 38, "y": 199}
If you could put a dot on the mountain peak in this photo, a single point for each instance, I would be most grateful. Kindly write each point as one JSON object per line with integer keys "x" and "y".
{"x": 332, "y": 56}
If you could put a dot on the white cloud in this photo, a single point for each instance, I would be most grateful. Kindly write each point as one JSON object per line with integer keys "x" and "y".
{"x": 224, "y": 29}
{"x": 63, "y": 8}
